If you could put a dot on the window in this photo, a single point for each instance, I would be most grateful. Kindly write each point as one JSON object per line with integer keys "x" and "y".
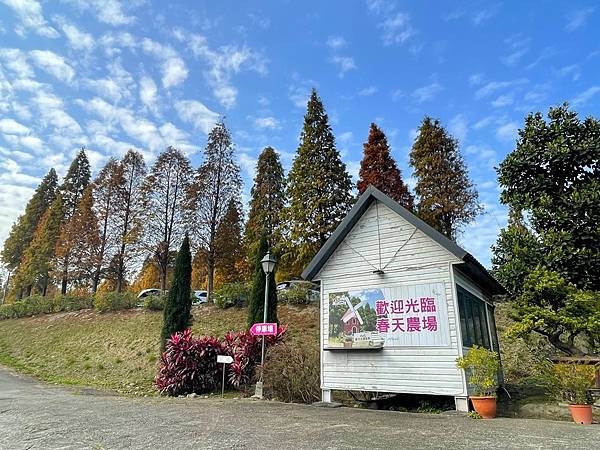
{"x": 474, "y": 314}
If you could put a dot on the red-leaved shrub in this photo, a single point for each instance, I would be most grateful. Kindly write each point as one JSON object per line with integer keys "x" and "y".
{"x": 190, "y": 364}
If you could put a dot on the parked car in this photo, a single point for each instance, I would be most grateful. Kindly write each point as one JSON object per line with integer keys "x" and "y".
{"x": 144, "y": 293}
{"x": 313, "y": 289}
{"x": 199, "y": 297}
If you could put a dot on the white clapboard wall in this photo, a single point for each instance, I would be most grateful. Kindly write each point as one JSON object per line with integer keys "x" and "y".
{"x": 407, "y": 257}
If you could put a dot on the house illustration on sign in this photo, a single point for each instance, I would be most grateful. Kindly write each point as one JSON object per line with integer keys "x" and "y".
{"x": 399, "y": 303}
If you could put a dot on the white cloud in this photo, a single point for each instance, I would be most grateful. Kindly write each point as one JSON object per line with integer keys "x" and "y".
{"x": 518, "y": 46}
{"x": 574, "y": 71}
{"x": 502, "y": 100}
{"x": 79, "y": 40}
{"x": 458, "y": 127}
{"x": 30, "y": 15}
{"x": 197, "y": 114}
{"x": 248, "y": 164}
{"x": 10, "y": 126}
{"x": 266, "y": 122}
{"x": 148, "y": 93}
{"x": 173, "y": 68}
{"x": 507, "y": 132}
{"x": 336, "y": 42}
{"x": 493, "y": 86}
{"x": 368, "y": 91}
{"x": 16, "y": 61}
{"x": 397, "y": 29}
{"x": 485, "y": 14}
{"x": 30, "y": 142}
{"x": 54, "y": 64}
{"x": 577, "y": 19}
{"x": 427, "y": 93}
{"x": 344, "y": 63}
{"x": 585, "y": 96}
{"x": 346, "y": 137}
{"x": 106, "y": 11}
{"x": 476, "y": 79}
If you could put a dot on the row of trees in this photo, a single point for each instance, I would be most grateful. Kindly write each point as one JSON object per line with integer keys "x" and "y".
{"x": 90, "y": 234}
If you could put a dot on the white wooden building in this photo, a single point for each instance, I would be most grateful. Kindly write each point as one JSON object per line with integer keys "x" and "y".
{"x": 399, "y": 303}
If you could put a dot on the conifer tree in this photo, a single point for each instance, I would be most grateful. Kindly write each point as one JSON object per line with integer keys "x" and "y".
{"x": 131, "y": 199}
{"x": 176, "y": 315}
{"x": 228, "y": 243}
{"x": 165, "y": 209}
{"x": 379, "y": 169}
{"x": 256, "y": 305}
{"x": 75, "y": 181}
{"x": 266, "y": 204}
{"x": 318, "y": 189}
{"x": 34, "y": 270}
{"x": 22, "y": 231}
{"x": 217, "y": 182}
{"x": 447, "y": 199}
{"x": 80, "y": 240}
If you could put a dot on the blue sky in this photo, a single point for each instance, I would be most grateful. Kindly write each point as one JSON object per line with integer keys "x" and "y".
{"x": 111, "y": 75}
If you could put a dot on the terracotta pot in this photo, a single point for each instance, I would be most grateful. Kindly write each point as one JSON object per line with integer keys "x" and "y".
{"x": 581, "y": 414}
{"x": 485, "y": 406}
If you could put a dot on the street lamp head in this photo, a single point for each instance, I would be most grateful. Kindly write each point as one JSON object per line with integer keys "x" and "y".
{"x": 268, "y": 263}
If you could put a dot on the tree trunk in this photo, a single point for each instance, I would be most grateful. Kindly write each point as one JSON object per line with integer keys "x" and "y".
{"x": 567, "y": 348}
{"x": 120, "y": 275}
{"x": 210, "y": 268}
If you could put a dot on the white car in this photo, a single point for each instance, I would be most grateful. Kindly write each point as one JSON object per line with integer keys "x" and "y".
{"x": 200, "y": 297}
{"x": 146, "y": 292}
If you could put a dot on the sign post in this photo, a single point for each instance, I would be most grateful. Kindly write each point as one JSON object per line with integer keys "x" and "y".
{"x": 224, "y": 359}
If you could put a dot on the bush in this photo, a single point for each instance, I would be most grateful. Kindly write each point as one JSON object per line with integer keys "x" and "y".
{"x": 292, "y": 373}
{"x": 189, "y": 364}
{"x": 296, "y": 295}
{"x": 570, "y": 382}
{"x": 482, "y": 366}
{"x": 113, "y": 301}
{"x": 37, "y": 304}
{"x": 232, "y": 294}
{"x": 155, "y": 302}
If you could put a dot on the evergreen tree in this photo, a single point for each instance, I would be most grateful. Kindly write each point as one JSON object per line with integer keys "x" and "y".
{"x": 318, "y": 190}
{"x": 22, "y": 231}
{"x": 217, "y": 182}
{"x": 176, "y": 316}
{"x": 256, "y": 305}
{"x": 165, "y": 190}
{"x": 34, "y": 270}
{"x": 130, "y": 211}
{"x": 266, "y": 203}
{"x": 75, "y": 181}
{"x": 447, "y": 199}
{"x": 80, "y": 240}
{"x": 228, "y": 244}
{"x": 379, "y": 169}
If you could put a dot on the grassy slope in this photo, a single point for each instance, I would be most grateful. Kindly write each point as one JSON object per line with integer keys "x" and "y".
{"x": 118, "y": 350}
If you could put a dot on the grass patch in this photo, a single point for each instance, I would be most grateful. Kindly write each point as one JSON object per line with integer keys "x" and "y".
{"x": 119, "y": 350}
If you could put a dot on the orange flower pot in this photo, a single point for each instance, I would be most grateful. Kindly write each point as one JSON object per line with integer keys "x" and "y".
{"x": 581, "y": 414}
{"x": 485, "y": 406}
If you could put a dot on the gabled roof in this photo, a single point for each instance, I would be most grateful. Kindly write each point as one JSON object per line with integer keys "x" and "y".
{"x": 470, "y": 266}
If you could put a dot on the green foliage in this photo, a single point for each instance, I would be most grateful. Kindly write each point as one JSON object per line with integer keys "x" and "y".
{"x": 474, "y": 415}
{"x": 228, "y": 244}
{"x": 379, "y": 169}
{"x": 257, "y": 297}
{"x": 232, "y": 294}
{"x": 447, "y": 199}
{"x": 155, "y": 302}
{"x": 266, "y": 203}
{"x": 176, "y": 315}
{"x": 570, "y": 382}
{"x": 482, "y": 366}
{"x": 37, "y": 304}
{"x": 22, "y": 231}
{"x": 75, "y": 181}
{"x": 292, "y": 373}
{"x": 318, "y": 190}
{"x": 114, "y": 301}
{"x": 296, "y": 295}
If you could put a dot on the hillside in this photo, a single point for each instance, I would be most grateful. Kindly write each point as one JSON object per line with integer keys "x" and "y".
{"x": 119, "y": 350}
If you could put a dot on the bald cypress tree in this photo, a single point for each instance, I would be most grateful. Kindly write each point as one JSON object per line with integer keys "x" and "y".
{"x": 318, "y": 189}
{"x": 379, "y": 169}
{"x": 447, "y": 199}
{"x": 23, "y": 229}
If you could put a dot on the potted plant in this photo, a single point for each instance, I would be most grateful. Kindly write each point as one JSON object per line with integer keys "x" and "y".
{"x": 571, "y": 383}
{"x": 482, "y": 367}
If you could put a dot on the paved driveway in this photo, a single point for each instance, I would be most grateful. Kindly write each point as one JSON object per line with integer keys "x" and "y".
{"x": 37, "y": 415}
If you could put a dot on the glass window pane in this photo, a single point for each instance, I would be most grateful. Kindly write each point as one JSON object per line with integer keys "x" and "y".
{"x": 484, "y": 324}
{"x": 463, "y": 318}
{"x": 493, "y": 331}
{"x": 476, "y": 305}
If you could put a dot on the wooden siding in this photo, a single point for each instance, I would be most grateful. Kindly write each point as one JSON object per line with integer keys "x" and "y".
{"x": 408, "y": 257}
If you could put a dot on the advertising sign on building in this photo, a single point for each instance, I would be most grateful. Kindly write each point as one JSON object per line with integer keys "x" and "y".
{"x": 396, "y": 316}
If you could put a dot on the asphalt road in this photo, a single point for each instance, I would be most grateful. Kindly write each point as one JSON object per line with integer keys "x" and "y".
{"x": 37, "y": 415}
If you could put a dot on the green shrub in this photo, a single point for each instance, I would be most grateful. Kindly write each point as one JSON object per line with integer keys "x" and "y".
{"x": 155, "y": 302}
{"x": 296, "y": 295}
{"x": 37, "y": 304}
{"x": 232, "y": 294}
{"x": 570, "y": 382}
{"x": 292, "y": 373}
{"x": 113, "y": 301}
{"x": 482, "y": 367}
